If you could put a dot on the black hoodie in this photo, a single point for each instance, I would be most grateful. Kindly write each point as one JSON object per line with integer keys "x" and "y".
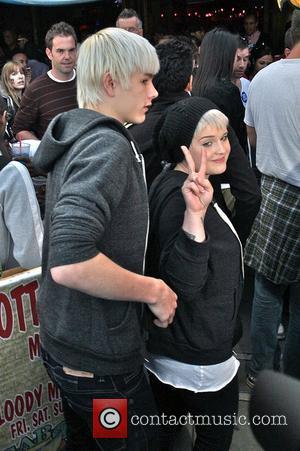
{"x": 206, "y": 277}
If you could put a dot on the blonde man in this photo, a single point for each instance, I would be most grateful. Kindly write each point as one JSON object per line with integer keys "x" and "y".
{"x": 93, "y": 290}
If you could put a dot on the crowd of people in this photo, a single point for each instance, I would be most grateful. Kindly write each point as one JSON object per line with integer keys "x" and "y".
{"x": 166, "y": 170}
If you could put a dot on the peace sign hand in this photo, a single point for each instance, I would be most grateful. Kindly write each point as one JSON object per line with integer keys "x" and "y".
{"x": 197, "y": 190}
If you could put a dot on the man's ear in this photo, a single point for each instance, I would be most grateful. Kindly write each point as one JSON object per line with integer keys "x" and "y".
{"x": 48, "y": 53}
{"x": 109, "y": 85}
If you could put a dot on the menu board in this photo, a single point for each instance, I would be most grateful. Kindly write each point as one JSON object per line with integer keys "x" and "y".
{"x": 31, "y": 415}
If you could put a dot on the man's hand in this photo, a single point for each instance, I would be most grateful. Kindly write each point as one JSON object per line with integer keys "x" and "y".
{"x": 101, "y": 277}
{"x": 164, "y": 305}
{"x": 26, "y": 134}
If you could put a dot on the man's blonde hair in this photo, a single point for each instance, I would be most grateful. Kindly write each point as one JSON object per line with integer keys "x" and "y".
{"x": 115, "y": 51}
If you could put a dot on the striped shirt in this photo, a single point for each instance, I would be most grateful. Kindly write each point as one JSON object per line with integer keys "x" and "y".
{"x": 42, "y": 100}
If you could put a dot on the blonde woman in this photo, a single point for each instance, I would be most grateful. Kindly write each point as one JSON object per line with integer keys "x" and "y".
{"x": 195, "y": 249}
{"x": 12, "y": 87}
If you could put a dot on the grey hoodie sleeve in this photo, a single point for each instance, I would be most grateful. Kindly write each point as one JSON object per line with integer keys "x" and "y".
{"x": 94, "y": 181}
{"x": 22, "y": 229}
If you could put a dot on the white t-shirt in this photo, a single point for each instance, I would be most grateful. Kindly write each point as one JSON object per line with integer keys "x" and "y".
{"x": 244, "y": 90}
{"x": 273, "y": 109}
{"x": 197, "y": 378}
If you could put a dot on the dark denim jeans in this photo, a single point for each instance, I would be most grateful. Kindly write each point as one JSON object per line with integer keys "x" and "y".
{"x": 266, "y": 316}
{"x": 78, "y": 394}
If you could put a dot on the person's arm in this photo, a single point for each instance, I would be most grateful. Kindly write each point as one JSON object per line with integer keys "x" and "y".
{"x": 22, "y": 215}
{"x": 197, "y": 192}
{"x": 25, "y": 134}
{"x": 251, "y": 136}
{"x": 4, "y": 149}
{"x": 101, "y": 277}
{"x": 3, "y": 122}
{"x": 27, "y": 116}
{"x": 251, "y": 118}
{"x": 92, "y": 189}
{"x": 182, "y": 237}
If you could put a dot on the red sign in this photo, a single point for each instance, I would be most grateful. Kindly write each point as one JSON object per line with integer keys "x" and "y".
{"x": 110, "y": 418}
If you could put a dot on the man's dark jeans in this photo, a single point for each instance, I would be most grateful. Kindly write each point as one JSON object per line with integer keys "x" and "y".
{"x": 78, "y": 394}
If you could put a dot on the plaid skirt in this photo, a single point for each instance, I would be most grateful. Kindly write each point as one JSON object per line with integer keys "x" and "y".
{"x": 273, "y": 247}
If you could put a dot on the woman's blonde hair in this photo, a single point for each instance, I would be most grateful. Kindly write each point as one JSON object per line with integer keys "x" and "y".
{"x": 6, "y": 84}
{"x": 115, "y": 51}
{"x": 212, "y": 118}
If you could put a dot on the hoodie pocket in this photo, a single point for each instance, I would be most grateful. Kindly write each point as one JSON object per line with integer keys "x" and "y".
{"x": 117, "y": 325}
{"x": 215, "y": 321}
{"x": 126, "y": 337}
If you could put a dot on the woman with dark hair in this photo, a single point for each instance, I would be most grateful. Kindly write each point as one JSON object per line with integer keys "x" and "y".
{"x": 260, "y": 58}
{"x": 213, "y": 78}
{"x": 194, "y": 247}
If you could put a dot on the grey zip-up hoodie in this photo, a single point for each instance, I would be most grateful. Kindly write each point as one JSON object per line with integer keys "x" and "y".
{"x": 96, "y": 202}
